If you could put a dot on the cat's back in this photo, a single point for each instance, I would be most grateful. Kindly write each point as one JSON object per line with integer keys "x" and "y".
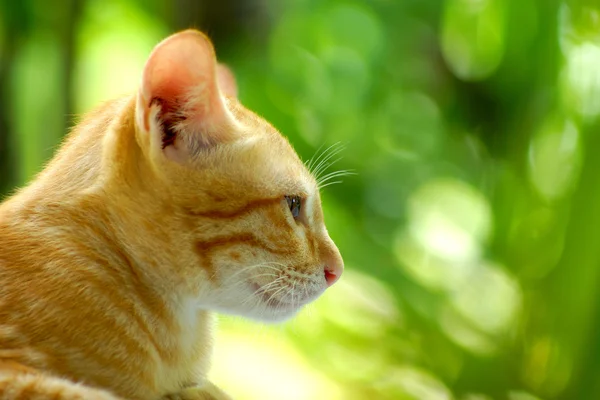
{"x": 60, "y": 289}
{"x": 45, "y": 226}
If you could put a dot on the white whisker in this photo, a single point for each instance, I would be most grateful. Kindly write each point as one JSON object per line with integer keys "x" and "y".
{"x": 266, "y": 265}
{"x": 326, "y": 163}
{"x": 317, "y": 161}
{"x": 335, "y": 174}
{"x": 262, "y": 289}
{"x": 274, "y": 294}
{"x": 323, "y": 161}
{"x": 314, "y": 158}
{"x": 329, "y": 183}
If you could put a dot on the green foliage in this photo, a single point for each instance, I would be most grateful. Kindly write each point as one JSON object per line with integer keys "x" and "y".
{"x": 469, "y": 230}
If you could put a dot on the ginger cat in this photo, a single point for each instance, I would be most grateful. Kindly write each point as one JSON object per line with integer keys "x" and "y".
{"x": 159, "y": 209}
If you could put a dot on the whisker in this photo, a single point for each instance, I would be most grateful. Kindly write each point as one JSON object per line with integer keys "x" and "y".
{"x": 332, "y": 150}
{"x": 326, "y": 163}
{"x": 340, "y": 171}
{"x": 274, "y": 294}
{"x": 266, "y": 287}
{"x": 255, "y": 266}
{"x": 324, "y": 183}
{"x": 265, "y": 274}
{"x": 329, "y": 183}
{"x": 317, "y": 160}
{"x": 324, "y": 159}
{"x": 335, "y": 174}
{"x": 293, "y": 293}
{"x": 262, "y": 289}
{"x": 313, "y": 159}
{"x": 305, "y": 288}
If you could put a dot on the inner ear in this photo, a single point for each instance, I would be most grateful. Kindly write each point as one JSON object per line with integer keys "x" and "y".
{"x": 168, "y": 118}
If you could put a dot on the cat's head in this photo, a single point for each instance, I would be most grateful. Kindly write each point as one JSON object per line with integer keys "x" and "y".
{"x": 247, "y": 223}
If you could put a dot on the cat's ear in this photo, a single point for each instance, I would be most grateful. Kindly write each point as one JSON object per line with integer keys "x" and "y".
{"x": 180, "y": 105}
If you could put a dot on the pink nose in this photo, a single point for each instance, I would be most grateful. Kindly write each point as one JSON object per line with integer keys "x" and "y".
{"x": 333, "y": 271}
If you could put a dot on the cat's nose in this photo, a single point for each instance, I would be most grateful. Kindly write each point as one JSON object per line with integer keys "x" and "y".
{"x": 333, "y": 268}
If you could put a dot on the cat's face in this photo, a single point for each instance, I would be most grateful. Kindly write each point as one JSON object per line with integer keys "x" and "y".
{"x": 247, "y": 221}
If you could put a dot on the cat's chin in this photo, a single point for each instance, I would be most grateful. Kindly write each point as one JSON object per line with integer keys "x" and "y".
{"x": 263, "y": 307}
{"x": 272, "y": 316}
{"x": 265, "y": 315}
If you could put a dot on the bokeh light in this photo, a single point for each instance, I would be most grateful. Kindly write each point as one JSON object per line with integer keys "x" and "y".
{"x": 469, "y": 229}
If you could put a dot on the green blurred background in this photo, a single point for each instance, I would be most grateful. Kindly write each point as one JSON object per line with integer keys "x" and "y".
{"x": 471, "y": 230}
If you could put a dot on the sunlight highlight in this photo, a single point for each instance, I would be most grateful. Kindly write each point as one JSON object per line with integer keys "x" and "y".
{"x": 581, "y": 75}
{"x": 554, "y": 159}
{"x": 450, "y": 219}
{"x": 113, "y": 46}
{"x": 411, "y": 383}
{"x": 490, "y": 299}
{"x": 473, "y": 37}
{"x": 547, "y": 365}
{"x": 266, "y": 367}
{"x": 448, "y": 223}
{"x": 359, "y": 304}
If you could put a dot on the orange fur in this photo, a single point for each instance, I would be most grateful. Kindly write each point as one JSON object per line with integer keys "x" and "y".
{"x": 159, "y": 209}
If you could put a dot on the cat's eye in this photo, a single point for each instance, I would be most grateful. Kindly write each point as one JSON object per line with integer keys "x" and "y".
{"x": 294, "y": 203}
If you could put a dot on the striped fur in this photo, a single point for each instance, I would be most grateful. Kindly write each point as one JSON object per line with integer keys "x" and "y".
{"x": 153, "y": 215}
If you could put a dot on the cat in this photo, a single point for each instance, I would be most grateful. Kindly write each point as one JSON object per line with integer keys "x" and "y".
{"x": 160, "y": 209}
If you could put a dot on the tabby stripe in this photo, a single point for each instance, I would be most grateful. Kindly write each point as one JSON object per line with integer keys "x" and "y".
{"x": 129, "y": 310}
{"x": 70, "y": 337}
{"x": 152, "y": 304}
{"x": 108, "y": 238}
{"x": 126, "y": 307}
{"x": 205, "y": 248}
{"x": 243, "y": 210}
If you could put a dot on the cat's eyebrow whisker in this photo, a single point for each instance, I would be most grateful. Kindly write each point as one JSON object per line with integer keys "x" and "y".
{"x": 339, "y": 172}
{"x": 324, "y": 157}
{"x": 332, "y": 150}
{"x": 326, "y": 163}
{"x": 328, "y": 184}
{"x": 324, "y": 167}
{"x": 315, "y": 159}
{"x": 335, "y": 174}
{"x": 312, "y": 160}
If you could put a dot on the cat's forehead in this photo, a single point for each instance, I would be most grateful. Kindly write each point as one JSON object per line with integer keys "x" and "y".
{"x": 269, "y": 152}
{"x": 277, "y": 163}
